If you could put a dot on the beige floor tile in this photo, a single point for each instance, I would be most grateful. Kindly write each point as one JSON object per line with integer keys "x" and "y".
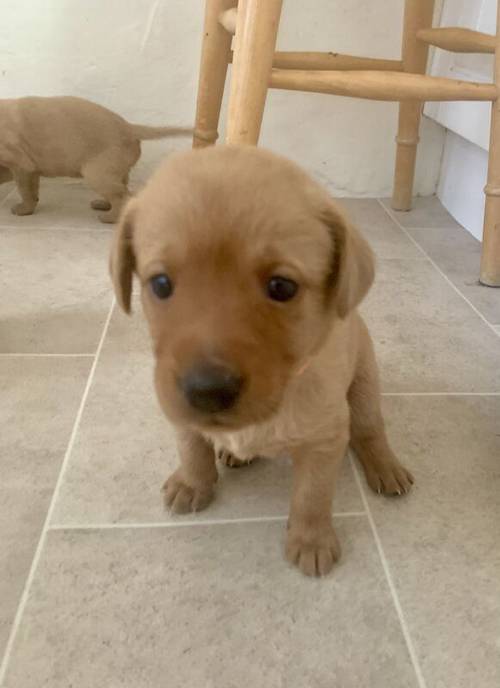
{"x": 458, "y": 255}
{"x": 216, "y": 605}
{"x": 427, "y": 337}
{"x": 444, "y": 550}
{"x": 207, "y": 606}
{"x": 55, "y": 290}
{"x": 5, "y": 190}
{"x": 39, "y": 401}
{"x": 63, "y": 205}
{"x": 384, "y": 236}
{"x": 125, "y": 450}
{"x": 426, "y": 212}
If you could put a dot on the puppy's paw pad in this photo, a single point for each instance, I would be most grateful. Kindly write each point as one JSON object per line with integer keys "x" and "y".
{"x": 232, "y": 461}
{"x": 181, "y": 498}
{"x": 314, "y": 554}
{"x": 390, "y": 479}
{"x": 100, "y": 204}
{"x": 22, "y": 209}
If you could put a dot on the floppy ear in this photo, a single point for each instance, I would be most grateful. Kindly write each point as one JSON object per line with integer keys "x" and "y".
{"x": 122, "y": 258}
{"x": 353, "y": 263}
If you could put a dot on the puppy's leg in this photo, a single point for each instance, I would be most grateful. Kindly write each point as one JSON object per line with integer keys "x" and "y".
{"x": 191, "y": 486}
{"x": 101, "y": 204}
{"x": 27, "y": 185}
{"x": 35, "y": 186}
{"x": 311, "y": 542}
{"x": 383, "y": 471}
{"x": 108, "y": 181}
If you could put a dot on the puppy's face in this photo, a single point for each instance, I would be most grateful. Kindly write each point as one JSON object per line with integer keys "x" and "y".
{"x": 244, "y": 265}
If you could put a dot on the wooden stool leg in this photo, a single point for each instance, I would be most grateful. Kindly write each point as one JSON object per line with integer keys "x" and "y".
{"x": 215, "y": 56}
{"x": 418, "y": 15}
{"x": 490, "y": 260}
{"x": 255, "y": 40}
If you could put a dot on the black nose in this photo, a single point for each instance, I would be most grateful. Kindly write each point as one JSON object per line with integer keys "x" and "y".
{"x": 211, "y": 388}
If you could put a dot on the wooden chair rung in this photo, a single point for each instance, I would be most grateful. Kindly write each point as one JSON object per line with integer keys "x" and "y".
{"x": 333, "y": 61}
{"x": 458, "y": 40}
{"x": 257, "y": 66}
{"x": 395, "y": 86}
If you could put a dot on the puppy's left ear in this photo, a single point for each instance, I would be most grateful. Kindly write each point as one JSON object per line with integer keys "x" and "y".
{"x": 353, "y": 263}
{"x": 122, "y": 258}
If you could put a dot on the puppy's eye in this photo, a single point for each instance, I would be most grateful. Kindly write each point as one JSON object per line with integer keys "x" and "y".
{"x": 281, "y": 288}
{"x": 162, "y": 286}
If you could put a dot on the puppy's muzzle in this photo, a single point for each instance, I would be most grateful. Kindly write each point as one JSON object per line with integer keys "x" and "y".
{"x": 211, "y": 388}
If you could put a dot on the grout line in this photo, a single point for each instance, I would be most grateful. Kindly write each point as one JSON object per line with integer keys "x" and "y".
{"x": 41, "y": 355}
{"x": 436, "y": 266}
{"x": 440, "y": 394}
{"x": 186, "y": 523}
{"x": 398, "y": 259}
{"x": 429, "y": 229}
{"x": 41, "y": 541}
{"x": 63, "y": 228}
{"x": 165, "y": 524}
{"x": 390, "y": 582}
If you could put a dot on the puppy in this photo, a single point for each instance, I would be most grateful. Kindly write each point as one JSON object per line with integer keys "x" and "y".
{"x": 71, "y": 137}
{"x": 250, "y": 280}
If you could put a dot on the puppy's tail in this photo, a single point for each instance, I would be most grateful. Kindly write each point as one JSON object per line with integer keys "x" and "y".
{"x": 143, "y": 132}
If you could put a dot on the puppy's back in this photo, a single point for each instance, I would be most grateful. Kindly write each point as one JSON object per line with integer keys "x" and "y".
{"x": 59, "y": 134}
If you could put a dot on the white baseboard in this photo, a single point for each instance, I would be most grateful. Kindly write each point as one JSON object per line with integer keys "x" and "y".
{"x": 462, "y": 181}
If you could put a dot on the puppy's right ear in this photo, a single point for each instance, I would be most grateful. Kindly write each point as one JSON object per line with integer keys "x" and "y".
{"x": 122, "y": 258}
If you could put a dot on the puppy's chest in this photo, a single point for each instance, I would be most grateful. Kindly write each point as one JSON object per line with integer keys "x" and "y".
{"x": 266, "y": 439}
{"x": 304, "y": 418}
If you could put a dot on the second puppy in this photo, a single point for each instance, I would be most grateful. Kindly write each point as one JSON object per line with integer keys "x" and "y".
{"x": 71, "y": 137}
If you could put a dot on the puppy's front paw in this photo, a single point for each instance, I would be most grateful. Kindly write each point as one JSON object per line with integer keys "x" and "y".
{"x": 182, "y": 498}
{"x": 389, "y": 478}
{"x": 313, "y": 551}
{"x": 22, "y": 209}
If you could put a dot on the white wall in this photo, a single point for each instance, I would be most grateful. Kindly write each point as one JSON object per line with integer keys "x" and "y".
{"x": 140, "y": 58}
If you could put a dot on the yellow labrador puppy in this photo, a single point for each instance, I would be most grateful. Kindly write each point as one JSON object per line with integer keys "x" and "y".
{"x": 71, "y": 137}
{"x": 250, "y": 281}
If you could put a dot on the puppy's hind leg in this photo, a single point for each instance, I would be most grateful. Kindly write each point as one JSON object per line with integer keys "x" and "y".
{"x": 383, "y": 471}
{"x": 35, "y": 185}
{"x": 109, "y": 181}
{"x": 27, "y": 185}
{"x": 101, "y": 204}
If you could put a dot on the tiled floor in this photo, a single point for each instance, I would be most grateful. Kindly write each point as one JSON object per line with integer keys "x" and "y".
{"x": 100, "y": 587}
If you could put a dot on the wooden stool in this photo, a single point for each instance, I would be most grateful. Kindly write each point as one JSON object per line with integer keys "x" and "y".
{"x": 257, "y": 67}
